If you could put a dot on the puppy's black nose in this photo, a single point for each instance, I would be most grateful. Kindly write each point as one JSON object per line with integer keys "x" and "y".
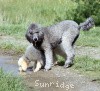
{"x": 35, "y": 39}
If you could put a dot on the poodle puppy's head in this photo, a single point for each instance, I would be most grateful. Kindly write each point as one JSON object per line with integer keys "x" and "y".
{"x": 34, "y": 35}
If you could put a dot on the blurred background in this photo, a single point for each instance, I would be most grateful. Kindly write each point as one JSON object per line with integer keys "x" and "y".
{"x": 47, "y": 12}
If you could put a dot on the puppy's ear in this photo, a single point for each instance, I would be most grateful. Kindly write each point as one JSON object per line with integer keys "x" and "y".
{"x": 28, "y": 36}
{"x": 41, "y": 34}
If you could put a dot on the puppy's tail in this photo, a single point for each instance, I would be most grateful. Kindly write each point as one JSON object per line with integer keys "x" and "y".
{"x": 85, "y": 26}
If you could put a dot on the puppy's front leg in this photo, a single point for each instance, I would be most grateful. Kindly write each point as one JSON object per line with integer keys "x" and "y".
{"x": 49, "y": 58}
{"x": 38, "y": 66}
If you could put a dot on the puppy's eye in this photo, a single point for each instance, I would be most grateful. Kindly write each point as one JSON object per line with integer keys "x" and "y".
{"x": 36, "y": 32}
{"x": 30, "y": 32}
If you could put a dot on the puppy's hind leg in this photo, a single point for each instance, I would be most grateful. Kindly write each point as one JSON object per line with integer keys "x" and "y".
{"x": 69, "y": 49}
{"x": 38, "y": 66}
{"x": 70, "y": 56}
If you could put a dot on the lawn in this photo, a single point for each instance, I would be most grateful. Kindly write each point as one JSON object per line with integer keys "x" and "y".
{"x": 44, "y": 12}
{"x": 88, "y": 66}
{"x": 89, "y": 38}
{"x": 9, "y": 82}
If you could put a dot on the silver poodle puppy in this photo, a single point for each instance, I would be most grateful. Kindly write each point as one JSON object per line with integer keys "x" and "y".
{"x": 31, "y": 55}
{"x": 59, "y": 39}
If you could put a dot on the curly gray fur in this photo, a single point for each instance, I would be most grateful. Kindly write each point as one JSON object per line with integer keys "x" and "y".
{"x": 67, "y": 31}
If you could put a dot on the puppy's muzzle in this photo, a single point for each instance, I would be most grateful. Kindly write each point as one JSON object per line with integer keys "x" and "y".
{"x": 35, "y": 39}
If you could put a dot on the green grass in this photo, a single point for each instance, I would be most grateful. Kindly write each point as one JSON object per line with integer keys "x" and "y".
{"x": 85, "y": 65}
{"x": 10, "y": 83}
{"x": 89, "y": 38}
{"x": 17, "y": 30}
{"x": 12, "y": 46}
{"x": 42, "y": 11}
{"x": 14, "y": 38}
{"x": 88, "y": 66}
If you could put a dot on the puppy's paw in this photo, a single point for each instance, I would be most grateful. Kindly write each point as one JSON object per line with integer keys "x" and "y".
{"x": 36, "y": 70}
{"x": 47, "y": 68}
{"x": 67, "y": 65}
